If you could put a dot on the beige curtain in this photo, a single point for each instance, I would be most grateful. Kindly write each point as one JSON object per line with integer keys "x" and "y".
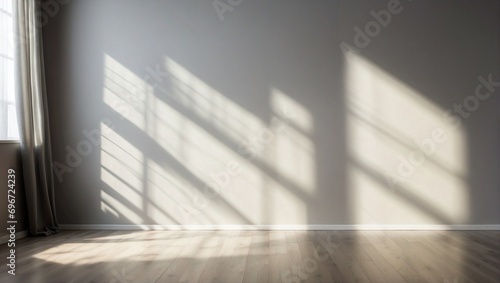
{"x": 33, "y": 117}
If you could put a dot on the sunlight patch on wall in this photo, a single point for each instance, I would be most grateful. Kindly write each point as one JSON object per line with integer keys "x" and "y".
{"x": 207, "y": 103}
{"x": 201, "y": 155}
{"x": 168, "y": 190}
{"x": 240, "y": 137}
{"x": 122, "y": 172}
{"x": 125, "y": 92}
{"x": 292, "y": 153}
{"x": 285, "y": 205}
{"x": 191, "y": 144}
{"x": 407, "y": 160}
{"x": 286, "y": 108}
{"x": 195, "y": 137}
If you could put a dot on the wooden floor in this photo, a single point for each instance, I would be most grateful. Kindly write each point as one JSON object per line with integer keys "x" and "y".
{"x": 257, "y": 256}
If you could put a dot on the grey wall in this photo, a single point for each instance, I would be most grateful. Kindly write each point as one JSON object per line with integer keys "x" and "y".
{"x": 294, "y": 129}
{"x": 11, "y": 159}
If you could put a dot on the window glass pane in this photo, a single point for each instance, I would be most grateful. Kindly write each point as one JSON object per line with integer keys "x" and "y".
{"x": 9, "y": 81}
{"x": 12, "y": 129}
{"x": 8, "y": 117}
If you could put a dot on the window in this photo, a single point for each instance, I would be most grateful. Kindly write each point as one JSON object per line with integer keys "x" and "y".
{"x": 8, "y": 117}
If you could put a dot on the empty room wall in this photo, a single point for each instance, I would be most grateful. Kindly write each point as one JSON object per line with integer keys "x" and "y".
{"x": 274, "y": 112}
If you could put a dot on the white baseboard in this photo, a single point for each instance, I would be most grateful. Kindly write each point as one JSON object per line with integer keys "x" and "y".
{"x": 19, "y": 235}
{"x": 493, "y": 227}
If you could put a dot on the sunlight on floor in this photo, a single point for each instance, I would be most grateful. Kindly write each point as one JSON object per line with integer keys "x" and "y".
{"x": 132, "y": 245}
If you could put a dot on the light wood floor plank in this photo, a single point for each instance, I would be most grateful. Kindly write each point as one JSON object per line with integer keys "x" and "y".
{"x": 213, "y": 270}
{"x": 257, "y": 267}
{"x": 346, "y": 265}
{"x": 456, "y": 254}
{"x": 185, "y": 259}
{"x": 257, "y": 256}
{"x": 234, "y": 271}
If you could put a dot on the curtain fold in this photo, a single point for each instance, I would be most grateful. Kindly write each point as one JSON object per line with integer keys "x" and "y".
{"x": 33, "y": 119}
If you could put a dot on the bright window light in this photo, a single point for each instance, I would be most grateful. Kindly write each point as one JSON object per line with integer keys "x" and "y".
{"x": 8, "y": 118}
